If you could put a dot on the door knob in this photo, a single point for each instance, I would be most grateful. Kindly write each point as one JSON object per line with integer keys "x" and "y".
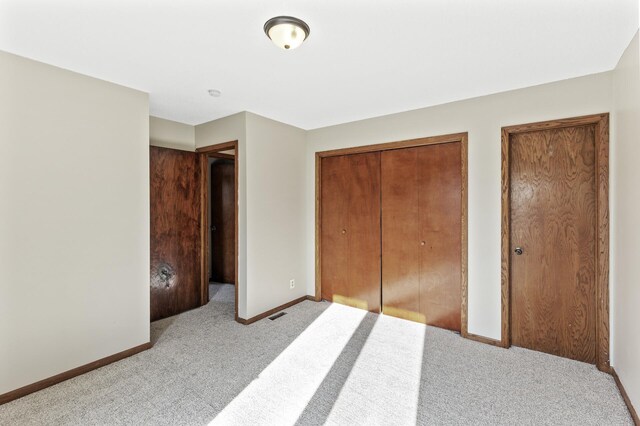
{"x": 213, "y": 228}
{"x": 344, "y": 231}
{"x": 422, "y": 243}
{"x": 518, "y": 251}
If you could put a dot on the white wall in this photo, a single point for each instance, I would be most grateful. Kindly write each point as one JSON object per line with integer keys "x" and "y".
{"x": 233, "y": 128}
{"x": 625, "y": 232}
{"x": 74, "y": 220}
{"x": 275, "y": 219}
{"x": 482, "y": 118}
{"x": 171, "y": 134}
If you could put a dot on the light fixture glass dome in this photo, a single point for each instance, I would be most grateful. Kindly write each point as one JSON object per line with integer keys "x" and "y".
{"x": 286, "y": 32}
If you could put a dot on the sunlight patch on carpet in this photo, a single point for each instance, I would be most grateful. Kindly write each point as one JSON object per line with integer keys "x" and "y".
{"x": 383, "y": 386}
{"x": 283, "y": 389}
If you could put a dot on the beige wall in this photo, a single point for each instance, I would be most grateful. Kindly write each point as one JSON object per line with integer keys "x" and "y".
{"x": 270, "y": 219}
{"x": 625, "y": 232}
{"x": 171, "y": 134}
{"x": 275, "y": 219}
{"x": 74, "y": 220}
{"x": 482, "y": 118}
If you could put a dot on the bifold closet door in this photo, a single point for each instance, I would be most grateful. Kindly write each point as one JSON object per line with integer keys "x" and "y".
{"x": 421, "y": 234}
{"x": 350, "y": 230}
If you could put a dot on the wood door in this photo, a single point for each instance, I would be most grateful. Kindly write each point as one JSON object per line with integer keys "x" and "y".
{"x": 350, "y": 230}
{"x": 401, "y": 234}
{"x": 553, "y": 222}
{"x": 175, "y": 231}
{"x": 222, "y": 224}
{"x": 363, "y": 231}
{"x": 422, "y": 234}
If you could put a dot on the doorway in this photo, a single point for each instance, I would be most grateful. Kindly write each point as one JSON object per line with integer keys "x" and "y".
{"x": 219, "y": 222}
{"x": 555, "y": 238}
{"x": 221, "y": 219}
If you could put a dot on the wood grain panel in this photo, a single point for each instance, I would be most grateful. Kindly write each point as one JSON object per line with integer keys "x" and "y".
{"x": 505, "y": 248}
{"x": 553, "y": 218}
{"x": 363, "y": 232}
{"x": 350, "y": 231}
{"x": 205, "y": 235}
{"x": 175, "y": 232}
{"x": 321, "y": 207}
{"x": 464, "y": 239}
{"x": 602, "y": 248}
{"x": 439, "y": 182}
{"x": 411, "y": 143}
{"x": 401, "y": 234}
{"x": 318, "y": 230}
{"x": 335, "y": 220}
{"x": 222, "y": 224}
{"x": 422, "y": 234}
{"x": 601, "y": 123}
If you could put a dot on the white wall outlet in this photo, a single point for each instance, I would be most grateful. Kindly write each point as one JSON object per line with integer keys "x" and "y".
{"x": 292, "y": 283}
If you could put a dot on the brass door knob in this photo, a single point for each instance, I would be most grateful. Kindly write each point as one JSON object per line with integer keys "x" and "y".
{"x": 344, "y": 231}
{"x": 422, "y": 243}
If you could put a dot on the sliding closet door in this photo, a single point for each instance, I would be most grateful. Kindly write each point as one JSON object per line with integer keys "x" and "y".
{"x": 421, "y": 234}
{"x": 350, "y": 230}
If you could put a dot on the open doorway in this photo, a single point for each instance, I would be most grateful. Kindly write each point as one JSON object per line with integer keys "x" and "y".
{"x": 219, "y": 189}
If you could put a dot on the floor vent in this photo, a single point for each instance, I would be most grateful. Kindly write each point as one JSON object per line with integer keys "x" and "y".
{"x": 276, "y": 316}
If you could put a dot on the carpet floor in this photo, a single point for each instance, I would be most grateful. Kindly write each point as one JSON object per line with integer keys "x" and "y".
{"x": 323, "y": 363}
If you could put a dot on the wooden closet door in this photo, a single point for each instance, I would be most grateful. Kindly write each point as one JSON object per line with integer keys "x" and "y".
{"x": 175, "y": 231}
{"x": 421, "y": 234}
{"x": 351, "y": 230}
{"x": 363, "y": 232}
{"x": 335, "y": 219}
{"x": 440, "y": 188}
{"x": 553, "y": 223}
{"x": 401, "y": 234}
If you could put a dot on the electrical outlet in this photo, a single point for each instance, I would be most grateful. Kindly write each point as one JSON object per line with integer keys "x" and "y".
{"x": 292, "y": 283}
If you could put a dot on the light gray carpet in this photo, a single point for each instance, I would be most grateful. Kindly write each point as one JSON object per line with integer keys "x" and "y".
{"x": 323, "y": 364}
{"x": 214, "y": 288}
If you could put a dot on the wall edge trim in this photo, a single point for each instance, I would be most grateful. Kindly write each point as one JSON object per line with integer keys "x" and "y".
{"x": 625, "y": 397}
{"x": 69, "y": 374}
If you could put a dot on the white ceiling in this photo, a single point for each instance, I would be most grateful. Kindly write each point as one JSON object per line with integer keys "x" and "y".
{"x": 364, "y": 58}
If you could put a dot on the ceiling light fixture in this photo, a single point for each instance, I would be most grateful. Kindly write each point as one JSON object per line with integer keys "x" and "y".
{"x": 286, "y": 32}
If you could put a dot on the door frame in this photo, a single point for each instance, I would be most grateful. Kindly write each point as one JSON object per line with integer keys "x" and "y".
{"x": 204, "y": 153}
{"x": 411, "y": 143}
{"x": 601, "y": 123}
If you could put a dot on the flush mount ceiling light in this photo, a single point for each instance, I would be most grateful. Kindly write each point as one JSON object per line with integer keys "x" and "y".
{"x": 286, "y": 32}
